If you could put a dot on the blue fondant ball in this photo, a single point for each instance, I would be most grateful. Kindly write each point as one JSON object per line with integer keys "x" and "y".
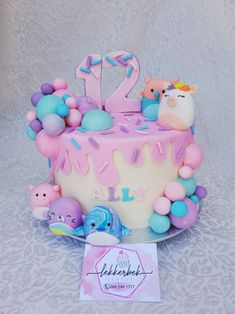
{"x": 195, "y": 199}
{"x": 30, "y": 133}
{"x": 179, "y": 209}
{"x": 53, "y": 124}
{"x": 47, "y": 105}
{"x": 97, "y": 120}
{"x": 62, "y": 110}
{"x": 188, "y": 184}
{"x": 159, "y": 223}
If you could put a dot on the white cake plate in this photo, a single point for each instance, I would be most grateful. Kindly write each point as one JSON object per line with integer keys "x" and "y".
{"x": 146, "y": 235}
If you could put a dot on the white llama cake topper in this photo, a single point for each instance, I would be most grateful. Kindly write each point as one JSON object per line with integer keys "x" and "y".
{"x": 177, "y": 108}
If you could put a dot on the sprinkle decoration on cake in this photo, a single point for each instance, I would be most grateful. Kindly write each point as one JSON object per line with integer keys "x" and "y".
{"x": 119, "y": 163}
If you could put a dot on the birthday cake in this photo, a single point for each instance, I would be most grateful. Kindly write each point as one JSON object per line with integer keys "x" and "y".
{"x": 123, "y": 163}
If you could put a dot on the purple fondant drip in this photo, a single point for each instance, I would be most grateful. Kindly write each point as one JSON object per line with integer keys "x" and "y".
{"x": 135, "y": 155}
{"x": 131, "y": 147}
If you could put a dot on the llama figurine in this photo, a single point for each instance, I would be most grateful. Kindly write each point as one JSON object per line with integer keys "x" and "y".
{"x": 177, "y": 108}
{"x": 151, "y": 96}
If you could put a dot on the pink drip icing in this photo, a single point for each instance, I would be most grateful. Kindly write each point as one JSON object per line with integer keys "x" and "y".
{"x": 126, "y": 143}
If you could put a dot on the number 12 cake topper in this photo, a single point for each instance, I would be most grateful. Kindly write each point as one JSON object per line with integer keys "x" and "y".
{"x": 90, "y": 70}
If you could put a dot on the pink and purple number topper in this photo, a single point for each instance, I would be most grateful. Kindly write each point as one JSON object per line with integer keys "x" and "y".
{"x": 121, "y": 273}
{"x": 90, "y": 70}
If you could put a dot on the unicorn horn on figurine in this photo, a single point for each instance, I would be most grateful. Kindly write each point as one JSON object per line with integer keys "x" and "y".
{"x": 102, "y": 227}
{"x": 151, "y": 96}
{"x": 177, "y": 108}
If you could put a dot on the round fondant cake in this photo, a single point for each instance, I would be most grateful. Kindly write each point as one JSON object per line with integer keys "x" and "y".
{"x": 126, "y": 163}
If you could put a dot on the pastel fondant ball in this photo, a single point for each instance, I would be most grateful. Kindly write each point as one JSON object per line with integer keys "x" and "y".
{"x": 47, "y": 105}
{"x": 159, "y": 223}
{"x": 71, "y": 102}
{"x": 47, "y": 145}
{"x": 47, "y": 89}
{"x": 189, "y": 219}
{"x": 97, "y": 120}
{"x": 179, "y": 209}
{"x": 59, "y": 83}
{"x": 74, "y": 118}
{"x": 188, "y": 184}
{"x": 193, "y": 156}
{"x": 30, "y": 116}
{"x": 195, "y": 199}
{"x": 201, "y": 192}
{"x": 53, "y": 124}
{"x": 65, "y": 96}
{"x": 62, "y": 110}
{"x": 162, "y": 205}
{"x": 86, "y": 104}
{"x": 36, "y": 125}
{"x": 175, "y": 191}
{"x": 30, "y": 133}
{"x": 185, "y": 172}
{"x": 36, "y": 97}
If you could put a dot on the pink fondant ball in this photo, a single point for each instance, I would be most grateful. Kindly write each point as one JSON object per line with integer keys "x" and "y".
{"x": 71, "y": 102}
{"x": 193, "y": 156}
{"x": 189, "y": 219}
{"x": 185, "y": 172}
{"x": 59, "y": 83}
{"x": 74, "y": 118}
{"x": 175, "y": 191}
{"x": 30, "y": 116}
{"x": 47, "y": 145}
{"x": 162, "y": 205}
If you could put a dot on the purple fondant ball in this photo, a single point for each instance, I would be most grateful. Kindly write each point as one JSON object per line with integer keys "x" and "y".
{"x": 201, "y": 192}
{"x": 86, "y": 104}
{"x": 189, "y": 219}
{"x": 53, "y": 124}
{"x": 36, "y": 97}
{"x": 47, "y": 89}
{"x": 36, "y": 125}
{"x": 65, "y": 210}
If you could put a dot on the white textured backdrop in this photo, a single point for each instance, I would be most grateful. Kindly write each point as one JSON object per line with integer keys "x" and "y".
{"x": 40, "y": 40}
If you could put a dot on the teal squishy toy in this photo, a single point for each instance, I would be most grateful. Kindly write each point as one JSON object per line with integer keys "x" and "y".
{"x": 102, "y": 227}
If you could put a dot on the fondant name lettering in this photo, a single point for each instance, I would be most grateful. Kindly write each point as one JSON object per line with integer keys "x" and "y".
{"x": 123, "y": 195}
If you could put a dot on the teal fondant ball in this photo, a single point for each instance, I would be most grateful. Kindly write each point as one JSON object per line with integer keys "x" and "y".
{"x": 30, "y": 133}
{"x": 97, "y": 120}
{"x": 47, "y": 105}
{"x": 195, "y": 198}
{"x": 62, "y": 110}
{"x": 179, "y": 209}
{"x": 159, "y": 223}
{"x": 188, "y": 184}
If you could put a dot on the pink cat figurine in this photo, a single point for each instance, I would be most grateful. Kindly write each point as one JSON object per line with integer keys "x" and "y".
{"x": 41, "y": 196}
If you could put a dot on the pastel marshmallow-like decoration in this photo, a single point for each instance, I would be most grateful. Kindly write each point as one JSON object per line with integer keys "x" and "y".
{"x": 175, "y": 191}
{"x": 162, "y": 205}
{"x": 193, "y": 156}
{"x": 177, "y": 110}
{"x": 185, "y": 172}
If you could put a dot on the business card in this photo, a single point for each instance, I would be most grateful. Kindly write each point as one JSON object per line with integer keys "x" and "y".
{"x": 124, "y": 272}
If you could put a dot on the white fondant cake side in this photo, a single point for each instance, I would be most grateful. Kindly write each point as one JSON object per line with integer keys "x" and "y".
{"x": 133, "y": 197}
